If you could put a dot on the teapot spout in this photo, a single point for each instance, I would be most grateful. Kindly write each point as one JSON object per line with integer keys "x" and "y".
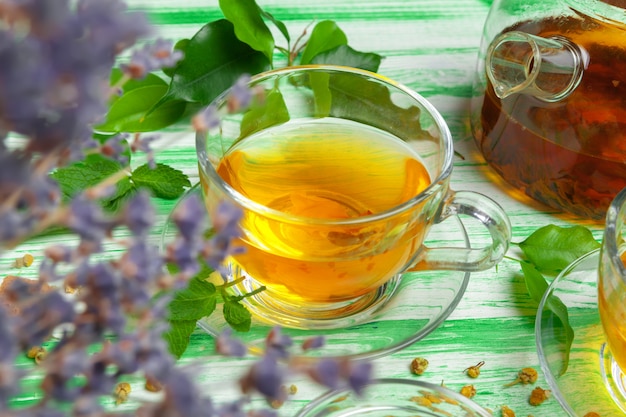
{"x": 547, "y": 68}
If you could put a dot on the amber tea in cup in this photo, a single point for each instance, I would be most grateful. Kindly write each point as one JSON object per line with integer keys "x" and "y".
{"x": 612, "y": 280}
{"x": 340, "y": 174}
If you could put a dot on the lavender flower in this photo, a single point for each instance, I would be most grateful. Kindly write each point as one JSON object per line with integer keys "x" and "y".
{"x": 326, "y": 372}
{"x": 139, "y": 214}
{"x": 225, "y": 221}
{"x": 266, "y": 376}
{"x": 190, "y": 217}
{"x": 41, "y": 315}
{"x": 142, "y": 143}
{"x": 114, "y": 148}
{"x": 315, "y": 342}
{"x": 151, "y": 57}
{"x": 53, "y": 89}
{"x": 228, "y": 346}
{"x": 240, "y": 95}
{"x": 206, "y": 119}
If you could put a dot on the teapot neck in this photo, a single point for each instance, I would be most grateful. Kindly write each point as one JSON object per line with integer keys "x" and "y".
{"x": 546, "y": 68}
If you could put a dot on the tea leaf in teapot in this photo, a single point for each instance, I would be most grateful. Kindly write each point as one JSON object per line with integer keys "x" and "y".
{"x": 551, "y": 248}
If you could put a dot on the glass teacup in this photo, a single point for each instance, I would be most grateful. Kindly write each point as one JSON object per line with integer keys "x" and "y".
{"x": 340, "y": 174}
{"x": 612, "y": 293}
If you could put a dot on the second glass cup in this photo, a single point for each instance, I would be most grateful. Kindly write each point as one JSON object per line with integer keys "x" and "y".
{"x": 340, "y": 174}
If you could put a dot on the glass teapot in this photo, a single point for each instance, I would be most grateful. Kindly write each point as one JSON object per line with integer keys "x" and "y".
{"x": 549, "y": 107}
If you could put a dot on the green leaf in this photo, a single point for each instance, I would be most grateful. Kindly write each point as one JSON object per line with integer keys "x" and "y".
{"x": 164, "y": 181}
{"x": 178, "y": 336}
{"x": 325, "y": 36}
{"x": 552, "y": 248}
{"x": 556, "y": 306}
{"x": 537, "y": 285}
{"x": 279, "y": 24}
{"x": 374, "y": 104}
{"x": 345, "y": 55}
{"x": 125, "y": 190}
{"x": 149, "y": 80}
{"x": 129, "y": 112}
{"x": 194, "y": 302}
{"x": 271, "y": 112}
{"x": 250, "y": 28}
{"x": 237, "y": 316}
{"x": 323, "y": 97}
{"x": 214, "y": 59}
{"x": 74, "y": 179}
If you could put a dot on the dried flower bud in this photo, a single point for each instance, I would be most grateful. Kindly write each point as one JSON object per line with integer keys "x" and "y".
{"x": 37, "y": 353}
{"x": 525, "y": 376}
{"x": 474, "y": 371}
{"x": 23, "y": 262}
{"x": 419, "y": 365}
{"x": 468, "y": 391}
{"x": 121, "y": 392}
{"x": 423, "y": 401}
{"x": 153, "y": 385}
{"x": 538, "y": 396}
{"x": 507, "y": 412}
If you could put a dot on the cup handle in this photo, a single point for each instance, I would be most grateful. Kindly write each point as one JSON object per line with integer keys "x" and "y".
{"x": 486, "y": 211}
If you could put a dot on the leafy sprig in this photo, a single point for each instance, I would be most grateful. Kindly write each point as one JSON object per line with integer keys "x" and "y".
{"x": 163, "y": 181}
{"x": 200, "y": 299}
{"x": 547, "y": 251}
{"x": 215, "y": 57}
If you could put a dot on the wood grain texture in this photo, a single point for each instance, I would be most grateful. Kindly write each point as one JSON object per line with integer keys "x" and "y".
{"x": 431, "y": 46}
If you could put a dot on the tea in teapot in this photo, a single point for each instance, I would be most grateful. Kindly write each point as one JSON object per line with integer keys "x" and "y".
{"x": 550, "y": 116}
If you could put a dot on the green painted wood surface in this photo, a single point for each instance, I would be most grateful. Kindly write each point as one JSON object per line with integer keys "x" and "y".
{"x": 431, "y": 46}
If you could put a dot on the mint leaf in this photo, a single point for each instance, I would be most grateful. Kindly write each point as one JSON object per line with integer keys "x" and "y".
{"x": 125, "y": 190}
{"x": 178, "y": 336}
{"x": 237, "y": 316}
{"x": 164, "y": 181}
{"x": 214, "y": 59}
{"x": 537, "y": 285}
{"x": 345, "y": 55}
{"x": 74, "y": 179}
{"x": 250, "y": 28}
{"x": 325, "y": 36}
{"x": 129, "y": 113}
{"x": 194, "y": 302}
{"x": 552, "y": 248}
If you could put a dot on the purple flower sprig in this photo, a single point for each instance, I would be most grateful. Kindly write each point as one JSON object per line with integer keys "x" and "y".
{"x": 102, "y": 318}
{"x": 268, "y": 375}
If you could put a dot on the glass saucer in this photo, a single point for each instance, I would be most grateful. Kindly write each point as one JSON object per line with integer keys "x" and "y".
{"x": 394, "y": 397}
{"x": 420, "y": 302}
{"x": 589, "y": 381}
